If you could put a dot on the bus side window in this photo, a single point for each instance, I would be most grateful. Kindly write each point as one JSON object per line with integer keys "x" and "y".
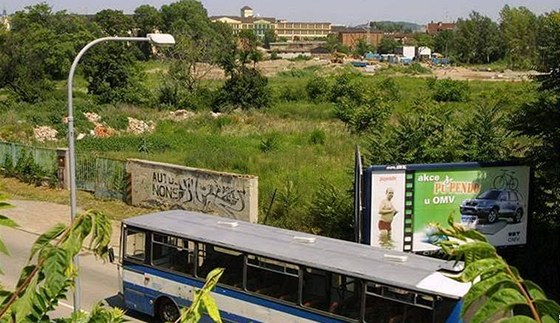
{"x": 211, "y": 257}
{"x": 344, "y": 296}
{"x": 316, "y": 286}
{"x": 172, "y": 253}
{"x": 135, "y": 245}
{"x": 272, "y": 278}
{"x": 382, "y": 309}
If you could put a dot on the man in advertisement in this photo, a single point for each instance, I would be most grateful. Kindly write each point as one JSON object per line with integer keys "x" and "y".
{"x": 386, "y": 214}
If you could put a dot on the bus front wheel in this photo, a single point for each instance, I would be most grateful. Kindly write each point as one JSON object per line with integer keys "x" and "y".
{"x": 167, "y": 311}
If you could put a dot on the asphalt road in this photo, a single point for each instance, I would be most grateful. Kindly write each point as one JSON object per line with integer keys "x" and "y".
{"x": 98, "y": 280}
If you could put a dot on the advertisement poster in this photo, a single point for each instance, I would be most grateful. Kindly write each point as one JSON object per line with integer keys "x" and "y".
{"x": 492, "y": 200}
{"x": 387, "y": 209}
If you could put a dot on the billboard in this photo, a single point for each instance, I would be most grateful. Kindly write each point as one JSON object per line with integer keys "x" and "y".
{"x": 490, "y": 198}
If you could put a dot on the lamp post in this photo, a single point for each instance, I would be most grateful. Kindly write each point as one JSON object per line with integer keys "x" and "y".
{"x": 155, "y": 39}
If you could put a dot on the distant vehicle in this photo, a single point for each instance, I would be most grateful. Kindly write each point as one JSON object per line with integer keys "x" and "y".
{"x": 338, "y": 58}
{"x": 491, "y": 205}
{"x": 358, "y": 64}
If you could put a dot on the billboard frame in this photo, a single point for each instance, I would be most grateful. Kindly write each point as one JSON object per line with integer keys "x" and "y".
{"x": 410, "y": 170}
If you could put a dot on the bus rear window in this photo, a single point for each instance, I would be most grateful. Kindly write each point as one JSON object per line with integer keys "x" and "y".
{"x": 135, "y": 245}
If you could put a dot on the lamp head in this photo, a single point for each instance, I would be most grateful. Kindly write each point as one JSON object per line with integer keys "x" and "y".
{"x": 161, "y": 39}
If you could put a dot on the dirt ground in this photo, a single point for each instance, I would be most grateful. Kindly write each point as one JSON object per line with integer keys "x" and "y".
{"x": 462, "y": 73}
{"x": 273, "y": 67}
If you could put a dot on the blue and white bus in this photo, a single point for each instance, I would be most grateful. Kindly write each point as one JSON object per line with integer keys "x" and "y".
{"x": 277, "y": 275}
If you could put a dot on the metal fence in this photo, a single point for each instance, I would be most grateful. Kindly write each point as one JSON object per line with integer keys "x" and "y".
{"x": 45, "y": 158}
{"x": 104, "y": 177}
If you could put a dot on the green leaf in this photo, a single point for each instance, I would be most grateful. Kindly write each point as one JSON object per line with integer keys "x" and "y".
{"x": 55, "y": 265}
{"x": 4, "y": 249}
{"x": 46, "y": 238}
{"x": 25, "y": 272}
{"x": 211, "y": 307}
{"x": 4, "y": 295}
{"x": 548, "y": 319}
{"x": 518, "y": 319}
{"x": 7, "y": 222}
{"x": 534, "y": 290}
{"x": 547, "y": 307}
{"x": 503, "y": 300}
{"x": 486, "y": 287}
{"x": 101, "y": 234}
{"x": 482, "y": 267}
{"x": 23, "y": 305}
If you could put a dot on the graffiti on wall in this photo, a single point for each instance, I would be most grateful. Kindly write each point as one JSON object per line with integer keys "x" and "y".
{"x": 198, "y": 189}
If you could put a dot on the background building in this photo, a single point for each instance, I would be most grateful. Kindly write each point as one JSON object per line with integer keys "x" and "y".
{"x": 282, "y": 28}
{"x": 350, "y": 36}
{"x": 5, "y": 19}
{"x": 433, "y": 28}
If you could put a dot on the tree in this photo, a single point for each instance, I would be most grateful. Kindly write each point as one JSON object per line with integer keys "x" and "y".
{"x": 39, "y": 49}
{"x": 333, "y": 45}
{"x": 519, "y": 34}
{"x": 114, "y": 22}
{"x": 548, "y": 44}
{"x": 387, "y": 45}
{"x": 201, "y": 44}
{"x": 362, "y": 47}
{"x": 423, "y": 39}
{"x": 269, "y": 37}
{"x": 113, "y": 74}
{"x": 498, "y": 290}
{"x": 477, "y": 39}
{"x": 443, "y": 42}
{"x": 147, "y": 19}
{"x": 50, "y": 273}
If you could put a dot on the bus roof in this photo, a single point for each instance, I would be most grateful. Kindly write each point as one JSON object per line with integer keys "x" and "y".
{"x": 399, "y": 269}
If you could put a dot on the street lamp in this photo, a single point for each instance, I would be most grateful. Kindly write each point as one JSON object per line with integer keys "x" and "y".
{"x": 155, "y": 39}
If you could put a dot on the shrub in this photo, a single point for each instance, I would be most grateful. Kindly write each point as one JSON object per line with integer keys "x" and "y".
{"x": 450, "y": 91}
{"x": 389, "y": 89}
{"x": 291, "y": 93}
{"x": 318, "y": 89}
{"x": 317, "y": 137}
{"x": 331, "y": 212}
{"x": 246, "y": 88}
{"x": 270, "y": 143}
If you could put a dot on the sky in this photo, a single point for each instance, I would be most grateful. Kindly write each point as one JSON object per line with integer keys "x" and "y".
{"x": 341, "y": 12}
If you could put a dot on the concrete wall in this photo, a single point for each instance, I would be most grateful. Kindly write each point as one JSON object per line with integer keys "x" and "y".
{"x": 169, "y": 186}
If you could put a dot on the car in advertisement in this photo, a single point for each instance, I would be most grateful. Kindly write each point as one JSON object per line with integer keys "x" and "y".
{"x": 492, "y": 205}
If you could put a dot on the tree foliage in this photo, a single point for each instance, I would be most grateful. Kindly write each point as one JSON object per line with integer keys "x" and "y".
{"x": 477, "y": 39}
{"x": 387, "y": 45}
{"x": 498, "y": 290}
{"x": 114, "y": 22}
{"x": 245, "y": 87}
{"x": 39, "y": 50}
{"x": 548, "y": 44}
{"x": 517, "y": 26}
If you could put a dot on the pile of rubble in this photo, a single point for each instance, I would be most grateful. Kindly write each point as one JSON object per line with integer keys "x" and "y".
{"x": 45, "y": 133}
{"x": 180, "y": 115}
{"x": 138, "y": 127}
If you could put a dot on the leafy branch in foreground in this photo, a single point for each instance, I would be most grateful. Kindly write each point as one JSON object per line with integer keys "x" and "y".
{"x": 498, "y": 290}
{"x": 203, "y": 302}
{"x": 50, "y": 271}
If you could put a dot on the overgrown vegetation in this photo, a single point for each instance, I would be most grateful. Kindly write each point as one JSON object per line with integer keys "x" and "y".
{"x": 498, "y": 292}
{"x": 297, "y": 130}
